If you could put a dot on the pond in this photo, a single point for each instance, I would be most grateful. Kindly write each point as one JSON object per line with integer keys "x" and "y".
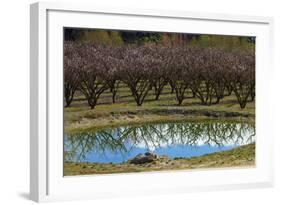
{"x": 175, "y": 139}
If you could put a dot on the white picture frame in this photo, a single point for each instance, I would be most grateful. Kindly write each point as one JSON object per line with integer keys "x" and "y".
{"x": 46, "y": 179}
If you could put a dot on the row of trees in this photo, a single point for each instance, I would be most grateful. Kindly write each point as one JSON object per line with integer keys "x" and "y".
{"x": 210, "y": 73}
{"x": 118, "y": 38}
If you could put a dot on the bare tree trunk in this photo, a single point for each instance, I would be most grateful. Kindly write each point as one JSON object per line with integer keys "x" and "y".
{"x": 113, "y": 96}
{"x": 158, "y": 87}
{"x": 180, "y": 90}
{"x": 68, "y": 94}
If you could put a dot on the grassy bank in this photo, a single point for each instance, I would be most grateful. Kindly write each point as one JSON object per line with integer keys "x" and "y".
{"x": 79, "y": 117}
{"x": 243, "y": 156}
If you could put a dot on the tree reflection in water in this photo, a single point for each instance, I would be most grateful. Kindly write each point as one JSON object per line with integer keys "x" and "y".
{"x": 152, "y": 136}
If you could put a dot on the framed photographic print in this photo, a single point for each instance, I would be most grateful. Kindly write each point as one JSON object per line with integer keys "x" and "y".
{"x": 127, "y": 102}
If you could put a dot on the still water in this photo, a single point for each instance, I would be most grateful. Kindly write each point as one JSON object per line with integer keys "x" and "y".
{"x": 178, "y": 139}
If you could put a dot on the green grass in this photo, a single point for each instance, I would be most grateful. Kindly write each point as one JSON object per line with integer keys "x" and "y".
{"x": 243, "y": 156}
{"x": 79, "y": 117}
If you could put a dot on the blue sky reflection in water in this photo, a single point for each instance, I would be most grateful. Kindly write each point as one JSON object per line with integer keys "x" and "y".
{"x": 181, "y": 139}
